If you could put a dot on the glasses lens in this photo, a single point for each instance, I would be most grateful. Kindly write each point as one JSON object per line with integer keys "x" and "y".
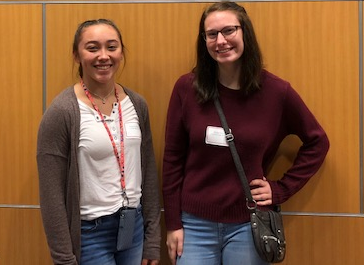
{"x": 211, "y": 34}
{"x": 228, "y": 31}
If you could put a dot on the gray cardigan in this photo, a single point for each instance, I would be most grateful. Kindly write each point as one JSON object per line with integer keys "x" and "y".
{"x": 59, "y": 185}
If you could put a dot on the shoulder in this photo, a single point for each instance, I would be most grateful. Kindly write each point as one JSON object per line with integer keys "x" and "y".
{"x": 186, "y": 79}
{"x": 135, "y": 97}
{"x": 139, "y": 103}
{"x": 57, "y": 122}
{"x": 184, "y": 86}
{"x": 62, "y": 109}
{"x": 271, "y": 80}
{"x": 65, "y": 100}
{"x": 276, "y": 87}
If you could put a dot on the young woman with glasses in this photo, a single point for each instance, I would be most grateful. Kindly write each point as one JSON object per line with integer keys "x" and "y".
{"x": 205, "y": 208}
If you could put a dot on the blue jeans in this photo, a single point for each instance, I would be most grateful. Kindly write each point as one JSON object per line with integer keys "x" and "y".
{"x": 99, "y": 238}
{"x": 211, "y": 243}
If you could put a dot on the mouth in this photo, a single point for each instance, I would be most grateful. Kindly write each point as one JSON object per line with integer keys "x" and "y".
{"x": 103, "y": 67}
{"x": 224, "y": 50}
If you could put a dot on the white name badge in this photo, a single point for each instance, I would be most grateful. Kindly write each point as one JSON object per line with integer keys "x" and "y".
{"x": 132, "y": 130}
{"x": 215, "y": 136}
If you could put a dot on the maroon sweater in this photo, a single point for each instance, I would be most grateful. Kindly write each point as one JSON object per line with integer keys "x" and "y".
{"x": 201, "y": 178}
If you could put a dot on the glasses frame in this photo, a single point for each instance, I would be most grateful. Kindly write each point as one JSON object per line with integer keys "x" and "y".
{"x": 221, "y": 31}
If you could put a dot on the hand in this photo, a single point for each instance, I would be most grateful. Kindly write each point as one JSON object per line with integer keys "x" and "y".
{"x": 262, "y": 193}
{"x": 174, "y": 244}
{"x": 150, "y": 262}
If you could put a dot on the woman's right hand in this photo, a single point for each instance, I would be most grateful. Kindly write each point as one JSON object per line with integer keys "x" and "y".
{"x": 174, "y": 244}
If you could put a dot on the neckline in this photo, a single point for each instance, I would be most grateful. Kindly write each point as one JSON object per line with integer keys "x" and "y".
{"x": 115, "y": 105}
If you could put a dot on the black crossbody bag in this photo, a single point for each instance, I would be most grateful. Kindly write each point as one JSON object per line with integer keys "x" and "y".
{"x": 267, "y": 226}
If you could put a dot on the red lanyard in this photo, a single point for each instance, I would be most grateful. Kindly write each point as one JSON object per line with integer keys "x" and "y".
{"x": 119, "y": 157}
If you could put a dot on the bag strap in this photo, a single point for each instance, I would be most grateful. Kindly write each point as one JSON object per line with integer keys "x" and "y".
{"x": 250, "y": 202}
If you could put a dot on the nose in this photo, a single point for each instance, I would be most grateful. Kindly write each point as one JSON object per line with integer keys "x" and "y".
{"x": 220, "y": 38}
{"x": 103, "y": 55}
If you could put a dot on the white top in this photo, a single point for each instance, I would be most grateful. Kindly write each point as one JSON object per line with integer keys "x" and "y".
{"x": 100, "y": 185}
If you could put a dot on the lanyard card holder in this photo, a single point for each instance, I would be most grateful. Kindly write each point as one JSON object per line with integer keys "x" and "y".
{"x": 126, "y": 228}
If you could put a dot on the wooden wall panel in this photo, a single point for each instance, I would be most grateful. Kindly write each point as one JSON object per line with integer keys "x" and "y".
{"x": 22, "y": 240}
{"x": 319, "y": 240}
{"x": 314, "y": 45}
{"x": 307, "y": 43}
{"x": 21, "y": 106}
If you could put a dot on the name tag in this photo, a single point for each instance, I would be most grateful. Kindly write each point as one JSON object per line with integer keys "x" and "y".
{"x": 132, "y": 130}
{"x": 215, "y": 136}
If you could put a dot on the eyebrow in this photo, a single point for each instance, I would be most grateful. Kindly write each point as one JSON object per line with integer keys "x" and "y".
{"x": 96, "y": 42}
{"x": 227, "y": 26}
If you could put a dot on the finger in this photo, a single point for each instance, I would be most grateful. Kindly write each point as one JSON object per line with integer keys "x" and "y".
{"x": 171, "y": 252}
{"x": 256, "y": 182}
{"x": 173, "y": 261}
{"x": 260, "y": 191}
{"x": 264, "y": 203}
{"x": 179, "y": 247}
{"x": 256, "y": 191}
{"x": 260, "y": 197}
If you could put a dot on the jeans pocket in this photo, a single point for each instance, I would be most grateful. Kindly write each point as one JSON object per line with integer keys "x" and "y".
{"x": 139, "y": 210}
{"x": 89, "y": 226}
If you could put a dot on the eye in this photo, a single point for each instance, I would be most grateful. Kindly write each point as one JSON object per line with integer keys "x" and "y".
{"x": 228, "y": 31}
{"x": 92, "y": 48}
{"x": 112, "y": 48}
{"x": 211, "y": 34}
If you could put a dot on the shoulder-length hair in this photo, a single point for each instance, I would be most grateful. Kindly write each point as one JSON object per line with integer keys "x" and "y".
{"x": 206, "y": 69}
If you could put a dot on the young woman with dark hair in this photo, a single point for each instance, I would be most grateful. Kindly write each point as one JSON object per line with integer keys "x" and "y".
{"x": 206, "y": 216}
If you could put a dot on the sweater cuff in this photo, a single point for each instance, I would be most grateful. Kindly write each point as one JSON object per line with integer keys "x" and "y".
{"x": 277, "y": 195}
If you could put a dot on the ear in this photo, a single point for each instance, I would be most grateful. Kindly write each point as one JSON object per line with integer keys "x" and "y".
{"x": 76, "y": 58}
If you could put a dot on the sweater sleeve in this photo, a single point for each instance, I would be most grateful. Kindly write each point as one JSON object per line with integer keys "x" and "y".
{"x": 315, "y": 145}
{"x": 175, "y": 152}
{"x": 52, "y": 160}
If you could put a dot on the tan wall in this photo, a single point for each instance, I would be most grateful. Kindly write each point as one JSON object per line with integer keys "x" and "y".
{"x": 314, "y": 45}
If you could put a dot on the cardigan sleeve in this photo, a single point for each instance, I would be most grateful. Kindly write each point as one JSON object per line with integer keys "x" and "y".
{"x": 150, "y": 184}
{"x": 52, "y": 159}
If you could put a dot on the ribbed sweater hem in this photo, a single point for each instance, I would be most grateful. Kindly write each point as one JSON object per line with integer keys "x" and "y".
{"x": 221, "y": 213}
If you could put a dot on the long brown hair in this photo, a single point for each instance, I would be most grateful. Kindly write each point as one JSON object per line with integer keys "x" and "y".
{"x": 206, "y": 69}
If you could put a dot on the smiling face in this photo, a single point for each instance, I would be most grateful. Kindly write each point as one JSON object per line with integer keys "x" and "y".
{"x": 225, "y": 50}
{"x": 99, "y": 53}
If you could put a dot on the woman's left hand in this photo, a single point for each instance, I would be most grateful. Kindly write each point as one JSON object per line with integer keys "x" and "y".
{"x": 262, "y": 192}
{"x": 150, "y": 262}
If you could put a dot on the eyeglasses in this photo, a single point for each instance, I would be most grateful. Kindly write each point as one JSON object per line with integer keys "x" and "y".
{"x": 227, "y": 32}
